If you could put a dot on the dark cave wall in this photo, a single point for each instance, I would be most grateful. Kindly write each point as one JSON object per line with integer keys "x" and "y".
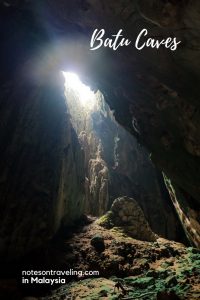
{"x": 41, "y": 186}
{"x": 42, "y": 165}
{"x": 187, "y": 210}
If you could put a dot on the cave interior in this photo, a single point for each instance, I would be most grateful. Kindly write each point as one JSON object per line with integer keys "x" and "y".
{"x": 100, "y": 150}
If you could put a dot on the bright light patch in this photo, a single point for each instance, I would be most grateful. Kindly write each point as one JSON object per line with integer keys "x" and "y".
{"x": 83, "y": 92}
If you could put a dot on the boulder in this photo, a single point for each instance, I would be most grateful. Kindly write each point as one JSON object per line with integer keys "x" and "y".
{"x": 127, "y": 214}
{"x": 97, "y": 242}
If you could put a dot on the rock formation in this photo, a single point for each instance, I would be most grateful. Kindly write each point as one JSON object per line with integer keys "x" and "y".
{"x": 116, "y": 165}
{"x": 126, "y": 214}
{"x": 98, "y": 186}
{"x": 132, "y": 173}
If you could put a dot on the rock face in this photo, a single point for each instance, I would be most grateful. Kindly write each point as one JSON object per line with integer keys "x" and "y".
{"x": 116, "y": 165}
{"x": 42, "y": 166}
{"x": 95, "y": 167}
{"x": 189, "y": 215}
{"x": 132, "y": 173}
{"x": 99, "y": 196}
{"x": 126, "y": 214}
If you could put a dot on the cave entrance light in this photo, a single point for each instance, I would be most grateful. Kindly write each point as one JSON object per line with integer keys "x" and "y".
{"x": 86, "y": 96}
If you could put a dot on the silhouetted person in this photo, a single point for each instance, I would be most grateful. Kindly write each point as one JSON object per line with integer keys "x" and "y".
{"x": 119, "y": 286}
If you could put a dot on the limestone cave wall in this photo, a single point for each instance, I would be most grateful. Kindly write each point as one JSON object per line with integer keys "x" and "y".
{"x": 132, "y": 173}
{"x": 42, "y": 165}
{"x": 117, "y": 165}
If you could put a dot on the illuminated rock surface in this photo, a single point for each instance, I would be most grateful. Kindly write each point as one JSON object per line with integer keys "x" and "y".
{"x": 127, "y": 216}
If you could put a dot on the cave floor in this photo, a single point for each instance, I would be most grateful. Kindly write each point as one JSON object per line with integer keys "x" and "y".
{"x": 141, "y": 270}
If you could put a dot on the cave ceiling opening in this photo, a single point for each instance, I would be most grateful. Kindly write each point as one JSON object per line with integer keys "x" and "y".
{"x": 84, "y": 93}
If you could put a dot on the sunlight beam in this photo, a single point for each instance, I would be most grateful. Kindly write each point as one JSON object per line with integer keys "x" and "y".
{"x": 84, "y": 93}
